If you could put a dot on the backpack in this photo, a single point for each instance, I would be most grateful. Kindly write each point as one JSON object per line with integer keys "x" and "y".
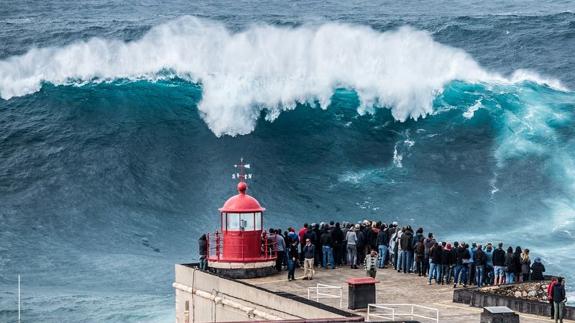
{"x": 419, "y": 248}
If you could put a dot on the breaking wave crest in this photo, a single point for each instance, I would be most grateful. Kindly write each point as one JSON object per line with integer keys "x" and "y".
{"x": 264, "y": 68}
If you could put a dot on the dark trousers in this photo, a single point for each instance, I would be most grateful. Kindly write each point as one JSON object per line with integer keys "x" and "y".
{"x": 291, "y": 269}
{"x": 318, "y": 255}
{"x": 280, "y": 260}
{"x": 419, "y": 265}
{"x": 552, "y": 309}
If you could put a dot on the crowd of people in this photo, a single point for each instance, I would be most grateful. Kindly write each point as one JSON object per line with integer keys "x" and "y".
{"x": 375, "y": 245}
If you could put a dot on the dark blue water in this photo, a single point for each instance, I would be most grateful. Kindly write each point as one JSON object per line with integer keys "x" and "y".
{"x": 119, "y": 124}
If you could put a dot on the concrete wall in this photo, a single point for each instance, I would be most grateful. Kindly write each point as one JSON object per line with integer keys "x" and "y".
{"x": 216, "y": 299}
{"x": 475, "y": 298}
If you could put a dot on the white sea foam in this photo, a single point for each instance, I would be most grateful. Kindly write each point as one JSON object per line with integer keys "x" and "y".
{"x": 263, "y": 68}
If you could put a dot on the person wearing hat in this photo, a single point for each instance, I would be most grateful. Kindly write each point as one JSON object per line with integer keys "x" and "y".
{"x": 309, "y": 255}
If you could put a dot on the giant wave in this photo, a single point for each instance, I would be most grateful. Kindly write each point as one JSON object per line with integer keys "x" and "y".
{"x": 265, "y": 69}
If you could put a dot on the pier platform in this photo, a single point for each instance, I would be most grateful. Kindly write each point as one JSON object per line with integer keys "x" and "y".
{"x": 393, "y": 288}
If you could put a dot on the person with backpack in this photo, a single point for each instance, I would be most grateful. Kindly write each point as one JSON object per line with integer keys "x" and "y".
{"x": 419, "y": 251}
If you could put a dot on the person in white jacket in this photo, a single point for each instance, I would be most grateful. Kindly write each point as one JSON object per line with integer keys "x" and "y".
{"x": 370, "y": 264}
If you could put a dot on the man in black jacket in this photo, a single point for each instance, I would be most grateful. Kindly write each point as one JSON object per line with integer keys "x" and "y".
{"x": 337, "y": 239}
{"x": 479, "y": 261}
{"x": 406, "y": 242}
{"x": 327, "y": 249}
{"x": 499, "y": 264}
{"x": 382, "y": 245}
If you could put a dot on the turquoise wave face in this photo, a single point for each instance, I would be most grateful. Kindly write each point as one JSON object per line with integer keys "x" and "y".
{"x": 104, "y": 178}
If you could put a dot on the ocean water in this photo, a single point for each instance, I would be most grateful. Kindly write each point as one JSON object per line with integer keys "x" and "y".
{"x": 120, "y": 123}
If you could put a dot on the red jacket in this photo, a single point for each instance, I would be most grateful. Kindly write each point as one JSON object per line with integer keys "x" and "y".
{"x": 550, "y": 290}
{"x": 301, "y": 233}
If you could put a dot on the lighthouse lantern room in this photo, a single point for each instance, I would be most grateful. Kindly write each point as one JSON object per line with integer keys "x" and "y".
{"x": 241, "y": 249}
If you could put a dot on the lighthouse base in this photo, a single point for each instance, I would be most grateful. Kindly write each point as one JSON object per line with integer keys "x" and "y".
{"x": 237, "y": 270}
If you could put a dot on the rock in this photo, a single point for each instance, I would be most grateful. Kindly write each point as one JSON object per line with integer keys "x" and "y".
{"x": 532, "y": 293}
{"x": 517, "y": 294}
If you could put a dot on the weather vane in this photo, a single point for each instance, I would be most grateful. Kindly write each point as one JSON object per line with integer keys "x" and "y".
{"x": 241, "y": 175}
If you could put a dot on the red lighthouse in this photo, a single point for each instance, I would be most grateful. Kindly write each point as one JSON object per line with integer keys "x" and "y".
{"x": 241, "y": 249}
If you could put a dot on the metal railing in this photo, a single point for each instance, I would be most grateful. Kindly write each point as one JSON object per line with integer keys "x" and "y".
{"x": 268, "y": 249}
{"x": 391, "y": 311}
{"x": 322, "y": 291}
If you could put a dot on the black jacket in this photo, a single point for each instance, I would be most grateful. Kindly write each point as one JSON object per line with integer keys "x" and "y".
{"x": 337, "y": 236}
{"x": 309, "y": 251}
{"x": 499, "y": 257}
{"x": 537, "y": 270}
{"x": 509, "y": 263}
{"x": 325, "y": 239}
{"x": 517, "y": 263}
{"x": 382, "y": 238}
{"x": 406, "y": 241}
{"x": 460, "y": 254}
{"x": 446, "y": 257}
{"x": 558, "y": 293}
{"x": 435, "y": 254}
{"x": 479, "y": 258}
{"x": 203, "y": 246}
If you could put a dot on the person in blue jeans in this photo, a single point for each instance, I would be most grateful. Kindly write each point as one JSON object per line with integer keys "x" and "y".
{"x": 327, "y": 249}
{"x": 435, "y": 254}
{"x": 292, "y": 255}
{"x": 509, "y": 266}
{"x": 382, "y": 245}
{"x": 479, "y": 261}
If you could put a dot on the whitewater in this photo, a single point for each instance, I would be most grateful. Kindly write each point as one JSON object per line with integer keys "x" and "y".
{"x": 120, "y": 123}
{"x": 265, "y": 68}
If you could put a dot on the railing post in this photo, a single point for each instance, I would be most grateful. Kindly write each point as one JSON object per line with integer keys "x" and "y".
{"x": 217, "y": 245}
{"x": 208, "y": 245}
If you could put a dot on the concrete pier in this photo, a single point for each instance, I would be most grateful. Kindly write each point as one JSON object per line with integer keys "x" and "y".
{"x": 393, "y": 288}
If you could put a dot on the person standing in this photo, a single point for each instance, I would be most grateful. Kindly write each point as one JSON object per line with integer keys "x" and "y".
{"x": 351, "y": 238}
{"x": 517, "y": 264}
{"x": 537, "y": 270}
{"x": 279, "y": 246}
{"x": 308, "y": 257}
{"x": 499, "y": 264}
{"x": 479, "y": 261}
{"x": 446, "y": 265}
{"x": 327, "y": 249}
{"x": 203, "y": 246}
{"x": 292, "y": 255}
{"x": 301, "y": 235}
{"x": 370, "y": 264}
{"x": 525, "y": 265}
{"x": 509, "y": 266}
{"x": 559, "y": 299}
{"x": 337, "y": 243}
{"x": 550, "y": 295}
{"x": 435, "y": 254}
{"x": 382, "y": 245}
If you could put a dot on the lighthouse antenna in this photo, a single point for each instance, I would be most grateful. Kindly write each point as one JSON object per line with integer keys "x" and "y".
{"x": 241, "y": 174}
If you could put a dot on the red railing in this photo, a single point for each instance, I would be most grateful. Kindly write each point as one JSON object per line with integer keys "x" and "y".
{"x": 215, "y": 241}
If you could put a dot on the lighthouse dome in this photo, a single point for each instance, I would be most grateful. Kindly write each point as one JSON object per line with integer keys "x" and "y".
{"x": 242, "y": 202}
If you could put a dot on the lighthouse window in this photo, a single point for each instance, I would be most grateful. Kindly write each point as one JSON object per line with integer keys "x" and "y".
{"x": 247, "y": 221}
{"x": 258, "y": 220}
{"x": 233, "y": 221}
